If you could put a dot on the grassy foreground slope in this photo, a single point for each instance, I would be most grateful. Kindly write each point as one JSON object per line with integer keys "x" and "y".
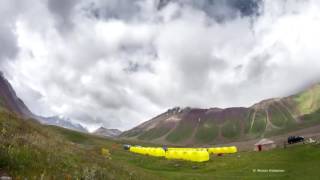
{"x": 28, "y": 149}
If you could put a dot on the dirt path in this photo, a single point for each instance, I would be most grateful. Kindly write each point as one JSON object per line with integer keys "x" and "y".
{"x": 289, "y": 111}
{"x": 269, "y": 123}
{"x": 192, "y": 137}
{"x": 311, "y": 132}
{"x": 253, "y": 118}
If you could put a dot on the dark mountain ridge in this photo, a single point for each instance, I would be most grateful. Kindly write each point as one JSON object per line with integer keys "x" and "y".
{"x": 11, "y": 102}
{"x": 189, "y": 126}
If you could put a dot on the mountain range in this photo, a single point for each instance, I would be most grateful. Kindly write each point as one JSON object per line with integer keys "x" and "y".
{"x": 195, "y": 126}
{"x": 191, "y": 126}
{"x": 107, "y": 132}
{"x": 62, "y": 122}
{"x": 10, "y": 102}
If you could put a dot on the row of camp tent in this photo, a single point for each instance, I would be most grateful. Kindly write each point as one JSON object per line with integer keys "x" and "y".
{"x": 188, "y": 154}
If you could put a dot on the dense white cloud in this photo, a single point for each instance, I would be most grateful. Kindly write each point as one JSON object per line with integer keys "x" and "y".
{"x": 117, "y": 63}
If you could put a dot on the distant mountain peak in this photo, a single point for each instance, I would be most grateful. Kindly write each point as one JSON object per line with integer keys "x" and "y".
{"x": 102, "y": 131}
{"x": 62, "y": 121}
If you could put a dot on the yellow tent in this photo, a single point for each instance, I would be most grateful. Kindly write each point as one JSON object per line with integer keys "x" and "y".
{"x": 157, "y": 152}
{"x": 223, "y": 150}
{"x": 188, "y": 154}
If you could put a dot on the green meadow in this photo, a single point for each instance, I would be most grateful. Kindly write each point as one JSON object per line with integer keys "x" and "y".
{"x": 34, "y": 151}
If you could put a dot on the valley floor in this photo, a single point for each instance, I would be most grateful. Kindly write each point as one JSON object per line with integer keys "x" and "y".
{"x": 310, "y": 132}
{"x": 296, "y": 162}
{"x": 30, "y": 150}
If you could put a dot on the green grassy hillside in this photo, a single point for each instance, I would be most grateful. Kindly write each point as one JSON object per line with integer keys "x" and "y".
{"x": 208, "y": 126}
{"x": 308, "y": 101}
{"x": 207, "y": 131}
{"x": 183, "y": 132}
{"x": 30, "y": 150}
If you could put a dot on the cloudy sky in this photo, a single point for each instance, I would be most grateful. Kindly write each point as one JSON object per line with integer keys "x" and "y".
{"x": 118, "y": 63}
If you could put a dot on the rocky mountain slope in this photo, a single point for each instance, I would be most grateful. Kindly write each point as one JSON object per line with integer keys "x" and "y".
{"x": 107, "y": 132}
{"x": 11, "y": 102}
{"x": 186, "y": 126}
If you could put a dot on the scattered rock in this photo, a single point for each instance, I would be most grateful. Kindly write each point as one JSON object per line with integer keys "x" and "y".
{"x": 4, "y": 175}
{"x": 5, "y": 178}
{"x": 195, "y": 167}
